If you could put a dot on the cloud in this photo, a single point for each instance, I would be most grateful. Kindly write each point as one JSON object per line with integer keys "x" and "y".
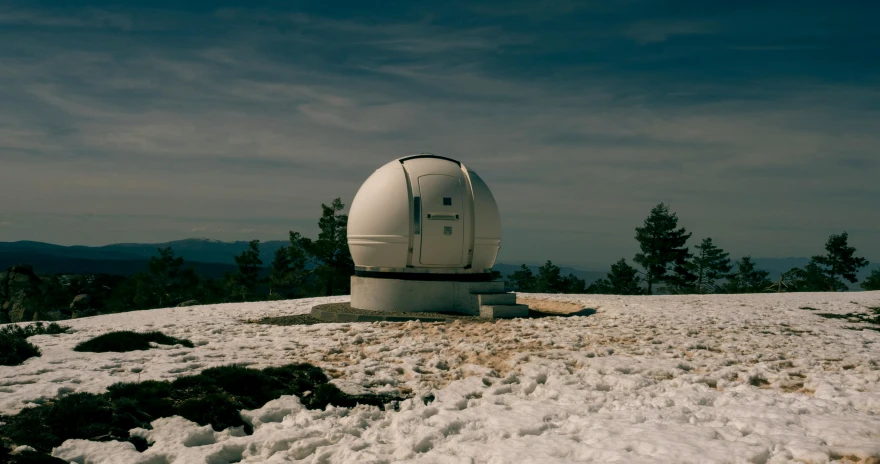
{"x": 645, "y": 32}
{"x": 82, "y": 18}
{"x": 241, "y": 124}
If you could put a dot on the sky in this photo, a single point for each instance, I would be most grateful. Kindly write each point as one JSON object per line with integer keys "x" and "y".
{"x": 756, "y": 122}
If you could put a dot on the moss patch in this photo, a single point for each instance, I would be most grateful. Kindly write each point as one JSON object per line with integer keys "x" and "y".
{"x": 214, "y": 397}
{"x": 126, "y": 340}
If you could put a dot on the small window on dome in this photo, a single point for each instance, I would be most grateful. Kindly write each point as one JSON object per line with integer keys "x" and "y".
{"x": 447, "y": 201}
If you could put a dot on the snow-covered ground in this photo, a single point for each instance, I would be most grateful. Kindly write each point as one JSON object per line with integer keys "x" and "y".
{"x": 702, "y": 379}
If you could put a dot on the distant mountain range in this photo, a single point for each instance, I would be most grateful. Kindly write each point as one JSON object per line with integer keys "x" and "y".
{"x": 209, "y": 258}
{"x": 213, "y": 258}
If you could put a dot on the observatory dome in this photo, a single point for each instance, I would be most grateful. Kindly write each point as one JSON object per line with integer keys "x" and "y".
{"x": 424, "y": 214}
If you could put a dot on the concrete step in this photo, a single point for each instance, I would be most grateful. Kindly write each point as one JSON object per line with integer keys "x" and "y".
{"x": 496, "y": 298}
{"x": 504, "y": 311}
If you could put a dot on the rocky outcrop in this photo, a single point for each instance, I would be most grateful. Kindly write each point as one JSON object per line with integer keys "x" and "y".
{"x": 81, "y": 303}
{"x": 81, "y": 306}
{"x": 20, "y": 294}
{"x": 84, "y": 313}
{"x": 49, "y": 315}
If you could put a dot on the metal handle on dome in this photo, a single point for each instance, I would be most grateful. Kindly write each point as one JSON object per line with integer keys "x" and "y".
{"x": 417, "y": 215}
{"x": 442, "y": 217}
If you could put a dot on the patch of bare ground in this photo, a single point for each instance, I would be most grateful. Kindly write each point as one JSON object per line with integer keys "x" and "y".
{"x": 550, "y": 306}
{"x": 423, "y": 355}
{"x": 851, "y": 459}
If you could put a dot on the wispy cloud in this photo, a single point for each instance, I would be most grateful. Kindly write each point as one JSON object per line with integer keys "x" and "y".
{"x": 241, "y": 123}
{"x": 660, "y": 31}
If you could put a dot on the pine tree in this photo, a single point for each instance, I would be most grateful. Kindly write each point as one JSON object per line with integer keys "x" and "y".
{"x": 523, "y": 280}
{"x": 166, "y": 282}
{"x": 329, "y": 253}
{"x": 811, "y": 278}
{"x": 572, "y": 284}
{"x": 243, "y": 284}
{"x": 622, "y": 280}
{"x": 708, "y": 265}
{"x": 839, "y": 262}
{"x": 747, "y": 278}
{"x": 287, "y": 274}
{"x": 872, "y": 282}
{"x": 663, "y": 249}
{"x": 549, "y": 279}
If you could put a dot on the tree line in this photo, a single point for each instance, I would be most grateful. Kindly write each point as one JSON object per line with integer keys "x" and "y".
{"x": 669, "y": 266}
{"x": 323, "y": 267}
{"x": 303, "y": 268}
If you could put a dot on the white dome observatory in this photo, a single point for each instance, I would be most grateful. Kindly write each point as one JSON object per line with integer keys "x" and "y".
{"x": 424, "y": 214}
{"x": 424, "y": 232}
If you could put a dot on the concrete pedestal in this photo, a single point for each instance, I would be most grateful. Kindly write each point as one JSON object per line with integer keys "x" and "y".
{"x": 378, "y": 294}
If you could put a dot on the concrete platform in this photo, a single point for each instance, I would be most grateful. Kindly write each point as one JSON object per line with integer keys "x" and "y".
{"x": 343, "y": 312}
{"x": 398, "y": 295}
{"x": 506, "y": 311}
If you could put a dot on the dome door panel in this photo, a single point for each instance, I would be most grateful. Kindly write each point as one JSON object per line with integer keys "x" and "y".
{"x": 442, "y": 220}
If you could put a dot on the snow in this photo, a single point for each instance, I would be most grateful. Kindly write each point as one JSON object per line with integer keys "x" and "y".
{"x": 708, "y": 379}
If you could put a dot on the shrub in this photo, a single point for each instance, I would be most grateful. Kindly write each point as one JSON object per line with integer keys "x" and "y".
{"x": 78, "y": 415}
{"x": 14, "y": 347}
{"x": 29, "y": 457}
{"x": 214, "y": 397}
{"x": 126, "y": 340}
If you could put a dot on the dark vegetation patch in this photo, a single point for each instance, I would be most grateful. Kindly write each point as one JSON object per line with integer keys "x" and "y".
{"x": 299, "y": 319}
{"x": 872, "y": 319}
{"x": 126, "y": 340}
{"x": 28, "y": 457}
{"x": 808, "y": 308}
{"x": 584, "y": 312}
{"x": 214, "y": 397}
{"x": 758, "y": 381}
{"x": 14, "y": 347}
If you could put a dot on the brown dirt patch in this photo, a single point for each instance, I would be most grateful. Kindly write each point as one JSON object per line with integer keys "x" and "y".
{"x": 550, "y": 306}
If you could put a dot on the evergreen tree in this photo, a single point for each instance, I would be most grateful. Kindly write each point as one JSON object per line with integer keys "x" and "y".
{"x": 622, "y": 280}
{"x": 211, "y": 291}
{"x": 279, "y": 273}
{"x": 839, "y": 262}
{"x": 747, "y": 278}
{"x": 166, "y": 282}
{"x": 523, "y": 280}
{"x": 663, "y": 249}
{"x": 572, "y": 284}
{"x": 872, "y": 282}
{"x": 287, "y": 273}
{"x": 549, "y": 279}
{"x": 243, "y": 284}
{"x": 708, "y": 265}
{"x": 329, "y": 253}
{"x": 811, "y": 278}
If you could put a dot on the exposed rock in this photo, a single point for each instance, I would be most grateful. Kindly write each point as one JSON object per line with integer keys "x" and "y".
{"x": 21, "y": 312}
{"x": 49, "y": 316}
{"x": 84, "y": 313}
{"x": 19, "y": 293}
{"x": 188, "y": 303}
{"x": 81, "y": 302}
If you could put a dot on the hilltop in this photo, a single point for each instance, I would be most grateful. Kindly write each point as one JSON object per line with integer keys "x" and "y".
{"x": 712, "y": 379}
